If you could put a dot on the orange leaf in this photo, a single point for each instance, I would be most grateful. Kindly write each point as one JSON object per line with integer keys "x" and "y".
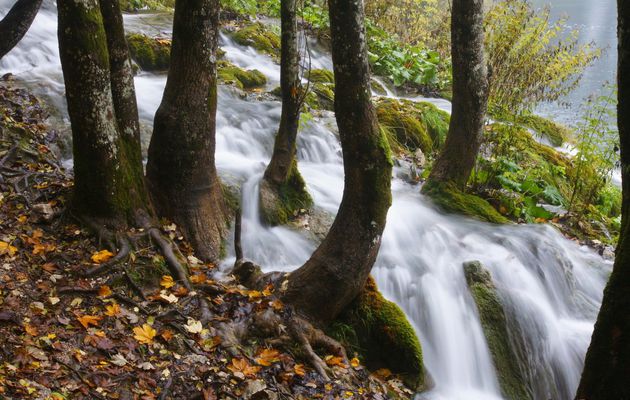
{"x": 6, "y": 248}
{"x": 87, "y": 320}
{"x": 144, "y": 334}
{"x": 167, "y": 281}
{"x": 334, "y": 361}
{"x": 268, "y": 357}
{"x": 31, "y": 330}
{"x": 105, "y": 291}
{"x": 201, "y": 278}
{"x": 167, "y": 335}
{"x": 299, "y": 369}
{"x": 242, "y": 367}
{"x": 101, "y": 256}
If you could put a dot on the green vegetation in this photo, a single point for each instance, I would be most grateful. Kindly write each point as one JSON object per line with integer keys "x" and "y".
{"x": 494, "y": 325}
{"x": 260, "y": 37}
{"x": 230, "y": 74}
{"x": 151, "y": 54}
{"x": 378, "y": 331}
{"x": 555, "y": 133}
{"x": 409, "y": 125}
{"x": 153, "y": 5}
{"x": 321, "y": 76}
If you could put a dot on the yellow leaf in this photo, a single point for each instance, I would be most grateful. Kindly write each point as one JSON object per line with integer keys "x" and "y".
{"x": 354, "y": 362}
{"x": 144, "y": 334}
{"x": 299, "y": 369}
{"x": 102, "y": 256}
{"x": 167, "y": 281}
{"x": 105, "y": 291}
{"x": 268, "y": 357}
{"x": 201, "y": 278}
{"x": 87, "y": 320}
{"x": 334, "y": 361}
{"x": 31, "y": 330}
{"x": 6, "y": 248}
{"x": 383, "y": 373}
{"x": 112, "y": 310}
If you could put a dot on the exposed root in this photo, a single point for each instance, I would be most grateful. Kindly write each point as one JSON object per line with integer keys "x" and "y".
{"x": 121, "y": 256}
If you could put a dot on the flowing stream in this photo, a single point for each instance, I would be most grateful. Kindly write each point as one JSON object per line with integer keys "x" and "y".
{"x": 551, "y": 286}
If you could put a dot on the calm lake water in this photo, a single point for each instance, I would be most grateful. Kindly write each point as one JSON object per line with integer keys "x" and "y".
{"x": 596, "y": 21}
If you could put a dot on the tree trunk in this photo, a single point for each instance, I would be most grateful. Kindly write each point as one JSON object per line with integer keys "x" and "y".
{"x": 15, "y": 24}
{"x": 470, "y": 95}
{"x": 181, "y": 173}
{"x": 337, "y": 271}
{"x": 107, "y": 183}
{"x": 279, "y": 167}
{"x": 607, "y": 366}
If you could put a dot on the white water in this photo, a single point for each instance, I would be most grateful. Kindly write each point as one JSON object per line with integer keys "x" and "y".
{"x": 551, "y": 286}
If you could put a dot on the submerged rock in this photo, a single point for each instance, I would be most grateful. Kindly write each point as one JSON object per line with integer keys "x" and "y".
{"x": 260, "y": 37}
{"x": 230, "y": 74}
{"x": 495, "y": 328}
{"x": 379, "y": 332}
{"x": 151, "y": 54}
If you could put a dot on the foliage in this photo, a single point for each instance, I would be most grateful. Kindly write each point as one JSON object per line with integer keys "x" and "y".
{"x": 530, "y": 60}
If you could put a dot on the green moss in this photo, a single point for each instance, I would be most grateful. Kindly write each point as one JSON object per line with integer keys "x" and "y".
{"x": 554, "y": 132}
{"x": 151, "y": 54}
{"x": 229, "y": 73}
{"x": 324, "y": 96}
{"x": 153, "y": 5}
{"x": 378, "y": 88}
{"x": 260, "y": 37}
{"x": 321, "y": 76}
{"x": 410, "y": 126}
{"x": 450, "y": 199}
{"x": 280, "y": 203}
{"x": 494, "y": 325}
{"x": 379, "y": 332}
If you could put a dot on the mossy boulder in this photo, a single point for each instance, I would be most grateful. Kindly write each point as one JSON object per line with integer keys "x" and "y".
{"x": 151, "y": 54}
{"x": 260, "y": 37}
{"x": 552, "y": 131}
{"x": 378, "y": 88}
{"x": 452, "y": 200}
{"x": 412, "y": 125}
{"x": 280, "y": 203}
{"x": 152, "y": 5}
{"x": 379, "y": 332}
{"x": 321, "y": 96}
{"x": 321, "y": 76}
{"x": 495, "y": 328}
{"x": 230, "y": 74}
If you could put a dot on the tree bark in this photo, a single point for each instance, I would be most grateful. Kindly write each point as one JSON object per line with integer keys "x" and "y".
{"x": 279, "y": 167}
{"x": 607, "y": 366}
{"x": 470, "y": 95}
{"x": 107, "y": 183}
{"x": 339, "y": 268}
{"x": 181, "y": 172}
{"x": 15, "y": 24}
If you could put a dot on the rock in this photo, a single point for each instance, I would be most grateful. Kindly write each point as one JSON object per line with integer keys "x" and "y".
{"x": 260, "y": 37}
{"x": 151, "y": 54}
{"x": 255, "y": 389}
{"x": 419, "y": 158}
{"x": 44, "y": 210}
{"x": 494, "y": 324}
{"x": 228, "y": 73}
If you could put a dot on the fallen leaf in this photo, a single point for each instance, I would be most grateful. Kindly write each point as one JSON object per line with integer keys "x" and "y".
{"x": 31, "y": 330}
{"x": 144, "y": 334}
{"x": 240, "y": 366}
{"x": 87, "y": 320}
{"x": 118, "y": 359}
{"x": 201, "y": 278}
{"x": 167, "y": 335}
{"x": 193, "y": 326}
{"x": 332, "y": 361}
{"x": 167, "y": 282}
{"x": 355, "y": 362}
{"x": 268, "y": 357}
{"x": 112, "y": 310}
{"x": 101, "y": 256}
{"x": 299, "y": 369}
{"x": 6, "y": 248}
{"x": 104, "y": 291}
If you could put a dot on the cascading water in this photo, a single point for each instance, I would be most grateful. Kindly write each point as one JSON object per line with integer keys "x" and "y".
{"x": 551, "y": 286}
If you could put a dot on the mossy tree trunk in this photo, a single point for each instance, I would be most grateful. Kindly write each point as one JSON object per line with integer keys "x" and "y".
{"x": 337, "y": 271}
{"x": 470, "y": 95}
{"x": 108, "y": 184}
{"x": 15, "y": 24}
{"x": 181, "y": 172}
{"x": 607, "y": 366}
{"x": 279, "y": 167}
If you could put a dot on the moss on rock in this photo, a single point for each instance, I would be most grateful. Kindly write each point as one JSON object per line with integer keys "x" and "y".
{"x": 450, "y": 199}
{"x": 552, "y": 131}
{"x": 280, "y": 203}
{"x": 230, "y": 74}
{"x": 379, "y": 332}
{"x": 410, "y": 126}
{"x": 147, "y": 5}
{"x": 494, "y": 325}
{"x": 151, "y": 54}
{"x": 378, "y": 88}
{"x": 260, "y": 37}
{"x": 321, "y": 76}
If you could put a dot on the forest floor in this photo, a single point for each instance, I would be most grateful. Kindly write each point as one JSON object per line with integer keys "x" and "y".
{"x": 133, "y": 333}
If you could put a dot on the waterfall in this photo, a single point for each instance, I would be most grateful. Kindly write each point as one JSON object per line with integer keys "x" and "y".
{"x": 551, "y": 286}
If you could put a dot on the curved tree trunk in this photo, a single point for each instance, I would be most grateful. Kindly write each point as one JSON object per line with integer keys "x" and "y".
{"x": 181, "y": 173}
{"x": 607, "y": 366}
{"x": 108, "y": 188}
{"x": 470, "y": 95}
{"x": 339, "y": 268}
{"x": 279, "y": 167}
{"x": 15, "y": 24}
